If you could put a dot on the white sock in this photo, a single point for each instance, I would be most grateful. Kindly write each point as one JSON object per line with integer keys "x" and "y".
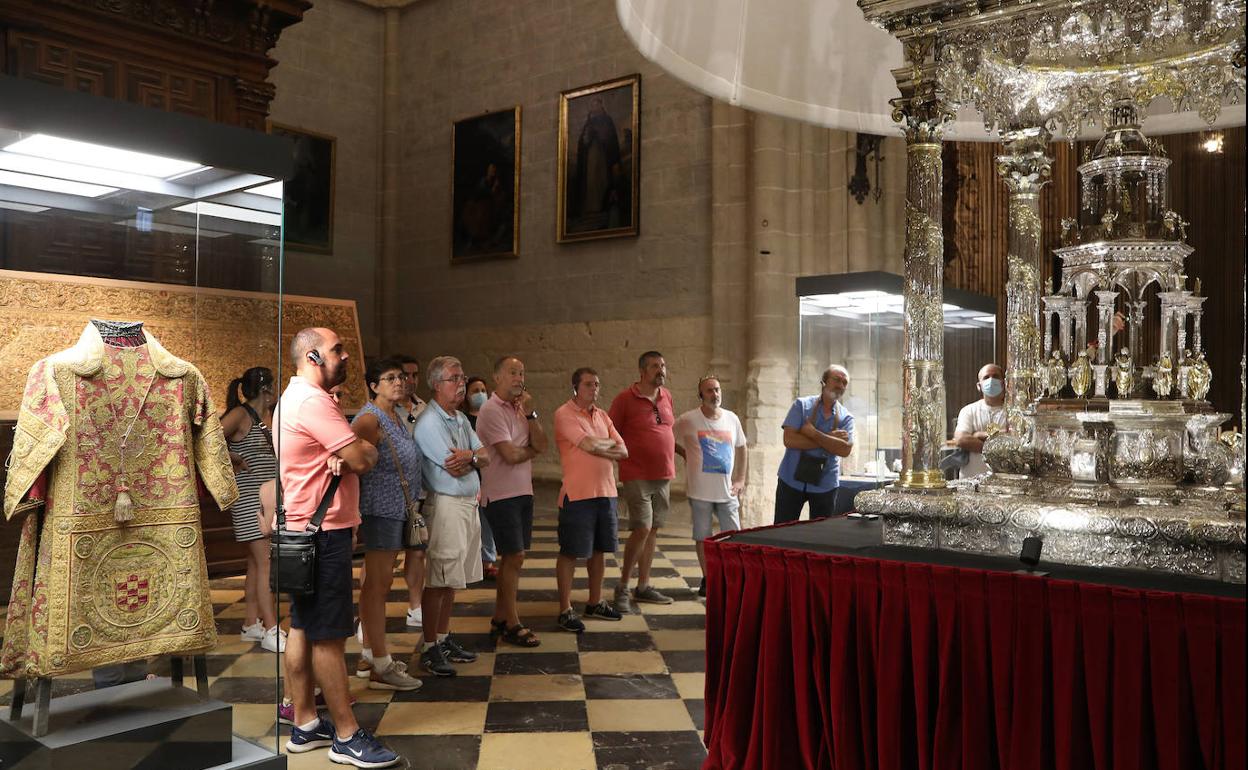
{"x": 311, "y": 725}
{"x": 442, "y": 637}
{"x": 382, "y": 663}
{"x": 366, "y": 654}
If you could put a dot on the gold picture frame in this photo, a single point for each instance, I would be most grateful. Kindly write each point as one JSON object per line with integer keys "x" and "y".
{"x": 485, "y": 186}
{"x": 309, "y": 196}
{"x": 599, "y": 168}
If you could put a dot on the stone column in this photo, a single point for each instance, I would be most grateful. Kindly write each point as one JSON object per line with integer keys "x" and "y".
{"x": 1025, "y": 169}
{"x": 391, "y": 149}
{"x": 922, "y": 115}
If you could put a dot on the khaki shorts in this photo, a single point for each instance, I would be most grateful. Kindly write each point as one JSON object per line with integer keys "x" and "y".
{"x": 454, "y": 556}
{"x": 648, "y": 503}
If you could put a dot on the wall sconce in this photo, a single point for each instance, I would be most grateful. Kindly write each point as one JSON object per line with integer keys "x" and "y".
{"x": 859, "y": 185}
{"x": 1211, "y": 142}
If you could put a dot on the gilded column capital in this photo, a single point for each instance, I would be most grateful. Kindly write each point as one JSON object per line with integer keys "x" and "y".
{"x": 1024, "y": 166}
{"x": 921, "y": 109}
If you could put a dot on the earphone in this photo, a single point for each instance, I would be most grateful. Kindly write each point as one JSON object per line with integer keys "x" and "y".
{"x": 315, "y": 357}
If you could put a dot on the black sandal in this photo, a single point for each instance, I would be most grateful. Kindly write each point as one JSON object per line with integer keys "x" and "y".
{"x": 514, "y": 636}
{"x": 497, "y": 628}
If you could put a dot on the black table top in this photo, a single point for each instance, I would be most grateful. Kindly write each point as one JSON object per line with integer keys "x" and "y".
{"x": 862, "y": 537}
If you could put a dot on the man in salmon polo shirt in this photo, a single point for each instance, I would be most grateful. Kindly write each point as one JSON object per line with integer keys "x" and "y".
{"x": 508, "y": 427}
{"x": 588, "y": 445}
{"x": 315, "y": 443}
{"x": 643, "y": 414}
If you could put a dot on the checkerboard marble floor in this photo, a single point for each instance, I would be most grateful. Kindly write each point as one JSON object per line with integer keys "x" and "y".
{"x": 621, "y": 695}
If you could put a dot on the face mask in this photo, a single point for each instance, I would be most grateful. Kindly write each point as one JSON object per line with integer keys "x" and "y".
{"x": 992, "y": 387}
{"x": 477, "y": 400}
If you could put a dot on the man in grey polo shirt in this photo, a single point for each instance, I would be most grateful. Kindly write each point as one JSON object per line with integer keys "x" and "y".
{"x": 451, "y": 455}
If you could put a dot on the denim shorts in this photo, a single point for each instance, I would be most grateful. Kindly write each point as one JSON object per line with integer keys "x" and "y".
{"x": 511, "y": 522}
{"x": 327, "y": 613}
{"x": 379, "y": 534}
{"x": 587, "y": 527}
{"x": 704, "y": 511}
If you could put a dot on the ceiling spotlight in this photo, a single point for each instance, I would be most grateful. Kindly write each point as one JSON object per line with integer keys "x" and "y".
{"x": 1212, "y": 142}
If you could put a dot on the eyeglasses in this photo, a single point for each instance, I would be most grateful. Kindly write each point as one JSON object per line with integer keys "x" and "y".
{"x": 393, "y": 378}
{"x": 456, "y": 378}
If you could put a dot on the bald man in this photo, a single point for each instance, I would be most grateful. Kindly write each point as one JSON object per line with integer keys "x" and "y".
{"x": 977, "y": 419}
{"x": 316, "y": 444}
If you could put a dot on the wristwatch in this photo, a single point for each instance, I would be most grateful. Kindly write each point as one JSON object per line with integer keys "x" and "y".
{"x": 531, "y": 415}
{"x": 474, "y": 459}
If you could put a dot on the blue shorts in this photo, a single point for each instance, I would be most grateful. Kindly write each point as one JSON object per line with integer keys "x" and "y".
{"x": 587, "y": 527}
{"x": 511, "y": 522}
{"x": 380, "y": 534}
{"x": 327, "y": 613}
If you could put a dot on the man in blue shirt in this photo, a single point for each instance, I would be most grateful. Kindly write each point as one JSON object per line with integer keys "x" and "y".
{"x": 818, "y": 432}
{"x": 451, "y": 453}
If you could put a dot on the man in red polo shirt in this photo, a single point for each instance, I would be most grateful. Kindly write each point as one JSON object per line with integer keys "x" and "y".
{"x": 644, "y": 416}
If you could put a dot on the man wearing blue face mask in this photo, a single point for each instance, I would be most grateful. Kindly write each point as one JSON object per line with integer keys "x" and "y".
{"x": 976, "y": 419}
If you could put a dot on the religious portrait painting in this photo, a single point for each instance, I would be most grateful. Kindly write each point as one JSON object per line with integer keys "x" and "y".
{"x": 308, "y": 197}
{"x": 485, "y": 186}
{"x": 599, "y": 168}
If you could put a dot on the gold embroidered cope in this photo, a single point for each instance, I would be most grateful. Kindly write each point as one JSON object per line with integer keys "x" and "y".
{"x": 88, "y": 591}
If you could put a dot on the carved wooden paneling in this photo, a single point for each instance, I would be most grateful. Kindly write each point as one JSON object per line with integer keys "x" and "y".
{"x": 56, "y": 64}
{"x": 170, "y": 90}
{"x": 1206, "y": 189}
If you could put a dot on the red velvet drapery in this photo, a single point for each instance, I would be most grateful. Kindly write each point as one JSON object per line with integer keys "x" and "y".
{"x": 851, "y": 663}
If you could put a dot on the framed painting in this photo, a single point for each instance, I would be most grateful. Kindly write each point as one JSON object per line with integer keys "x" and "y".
{"x": 485, "y": 186}
{"x": 599, "y": 160}
{"x": 308, "y": 197}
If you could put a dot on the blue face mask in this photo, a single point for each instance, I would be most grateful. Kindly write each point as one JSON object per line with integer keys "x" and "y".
{"x": 992, "y": 387}
{"x": 477, "y": 400}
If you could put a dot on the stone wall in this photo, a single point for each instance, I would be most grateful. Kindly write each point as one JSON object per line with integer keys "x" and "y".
{"x": 328, "y": 81}
{"x": 559, "y": 306}
{"x": 734, "y": 206}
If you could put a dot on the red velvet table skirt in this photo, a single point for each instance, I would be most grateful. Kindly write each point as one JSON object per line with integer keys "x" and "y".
{"x": 824, "y": 661}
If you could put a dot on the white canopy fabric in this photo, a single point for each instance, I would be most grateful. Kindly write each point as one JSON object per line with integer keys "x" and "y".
{"x": 817, "y": 61}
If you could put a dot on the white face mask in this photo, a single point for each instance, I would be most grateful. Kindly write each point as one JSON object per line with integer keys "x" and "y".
{"x": 992, "y": 387}
{"x": 477, "y": 400}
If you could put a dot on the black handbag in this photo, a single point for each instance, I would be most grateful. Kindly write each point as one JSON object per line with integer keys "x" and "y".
{"x": 292, "y": 555}
{"x": 810, "y": 468}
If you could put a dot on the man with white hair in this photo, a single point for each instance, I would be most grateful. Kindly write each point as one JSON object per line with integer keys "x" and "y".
{"x": 451, "y": 454}
{"x": 818, "y": 432}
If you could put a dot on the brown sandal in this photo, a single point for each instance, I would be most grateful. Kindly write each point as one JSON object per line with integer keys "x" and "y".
{"x": 521, "y": 636}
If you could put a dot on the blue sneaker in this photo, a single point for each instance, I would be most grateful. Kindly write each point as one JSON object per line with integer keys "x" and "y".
{"x": 362, "y": 750}
{"x": 306, "y": 740}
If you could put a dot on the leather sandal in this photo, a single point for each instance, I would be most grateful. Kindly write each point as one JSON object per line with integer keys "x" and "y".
{"x": 521, "y": 636}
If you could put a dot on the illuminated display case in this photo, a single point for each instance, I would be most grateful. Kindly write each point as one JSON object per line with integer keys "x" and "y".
{"x": 113, "y": 212}
{"x": 855, "y": 319}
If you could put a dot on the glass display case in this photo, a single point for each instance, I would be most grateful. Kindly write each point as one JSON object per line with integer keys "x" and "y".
{"x": 855, "y": 319}
{"x": 140, "y": 274}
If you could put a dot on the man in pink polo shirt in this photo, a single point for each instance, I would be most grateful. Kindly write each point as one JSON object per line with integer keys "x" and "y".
{"x": 507, "y": 425}
{"x": 644, "y": 416}
{"x": 315, "y": 442}
{"x": 588, "y": 444}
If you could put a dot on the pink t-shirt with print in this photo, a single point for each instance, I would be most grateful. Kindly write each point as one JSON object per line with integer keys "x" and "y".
{"x": 310, "y": 427}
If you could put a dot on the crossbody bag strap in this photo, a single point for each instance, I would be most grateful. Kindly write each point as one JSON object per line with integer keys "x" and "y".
{"x": 407, "y": 495}
{"x": 315, "y": 524}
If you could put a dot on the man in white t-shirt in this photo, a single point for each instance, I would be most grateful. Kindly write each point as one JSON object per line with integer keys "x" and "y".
{"x": 975, "y": 420}
{"x": 711, "y": 441}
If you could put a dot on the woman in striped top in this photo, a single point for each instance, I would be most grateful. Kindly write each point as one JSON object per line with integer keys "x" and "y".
{"x": 251, "y": 448}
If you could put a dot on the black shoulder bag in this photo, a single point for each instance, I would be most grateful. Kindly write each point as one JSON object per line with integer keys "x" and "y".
{"x": 292, "y": 555}
{"x": 810, "y": 467}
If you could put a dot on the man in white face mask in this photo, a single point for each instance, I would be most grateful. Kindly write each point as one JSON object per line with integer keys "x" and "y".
{"x": 976, "y": 419}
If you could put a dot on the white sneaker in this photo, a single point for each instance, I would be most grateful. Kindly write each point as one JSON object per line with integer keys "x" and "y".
{"x": 415, "y": 618}
{"x": 252, "y": 633}
{"x": 274, "y": 640}
{"x": 393, "y": 678}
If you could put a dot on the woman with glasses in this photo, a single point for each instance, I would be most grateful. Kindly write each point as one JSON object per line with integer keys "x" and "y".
{"x": 385, "y": 493}
{"x": 476, "y": 393}
{"x": 250, "y": 400}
